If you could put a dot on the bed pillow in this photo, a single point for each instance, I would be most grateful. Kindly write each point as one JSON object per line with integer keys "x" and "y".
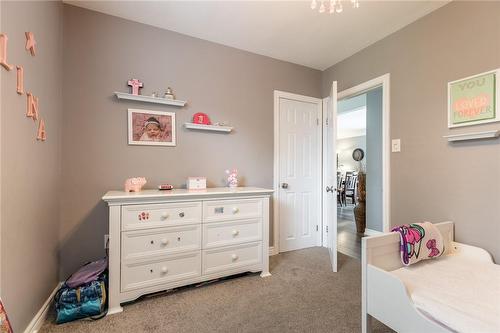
{"x": 419, "y": 241}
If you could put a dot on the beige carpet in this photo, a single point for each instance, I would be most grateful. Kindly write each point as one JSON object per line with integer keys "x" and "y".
{"x": 302, "y": 295}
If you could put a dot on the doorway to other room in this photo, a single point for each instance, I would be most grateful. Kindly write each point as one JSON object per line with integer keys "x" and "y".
{"x": 359, "y": 169}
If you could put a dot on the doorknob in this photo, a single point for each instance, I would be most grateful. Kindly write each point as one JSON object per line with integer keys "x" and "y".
{"x": 330, "y": 189}
{"x": 284, "y": 185}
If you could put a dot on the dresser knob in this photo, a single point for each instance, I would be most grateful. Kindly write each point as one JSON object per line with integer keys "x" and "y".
{"x": 164, "y": 216}
{"x": 234, "y": 257}
{"x": 164, "y": 241}
{"x": 181, "y": 214}
{"x": 164, "y": 270}
{"x": 235, "y": 210}
{"x": 235, "y": 232}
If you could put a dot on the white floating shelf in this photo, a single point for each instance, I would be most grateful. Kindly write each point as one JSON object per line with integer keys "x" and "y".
{"x": 213, "y": 128}
{"x": 149, "y": 99}
{"x": 473, "y": 136}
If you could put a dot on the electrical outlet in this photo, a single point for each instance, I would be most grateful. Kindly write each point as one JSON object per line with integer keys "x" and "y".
{"x": 106, "y": 240}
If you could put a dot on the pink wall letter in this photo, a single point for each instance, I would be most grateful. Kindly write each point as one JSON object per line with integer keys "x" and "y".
{"x": 32, "y": 111}
{"x": 3, "y": 52}
{"x": 42, "y": 135}
{"x": 30, "y": 42}
{"x": 20, "y": 80}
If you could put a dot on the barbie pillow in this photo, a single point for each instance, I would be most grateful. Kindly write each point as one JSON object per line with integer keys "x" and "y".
{"x": 419, "y": 241}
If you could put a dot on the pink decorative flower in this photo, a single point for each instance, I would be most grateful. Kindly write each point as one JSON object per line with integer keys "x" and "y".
{"x": 431, "y": 245}
{"x": 413, "y": 236}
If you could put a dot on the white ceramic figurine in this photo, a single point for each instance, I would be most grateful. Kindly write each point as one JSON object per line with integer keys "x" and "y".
{"x": 232, "y": 178}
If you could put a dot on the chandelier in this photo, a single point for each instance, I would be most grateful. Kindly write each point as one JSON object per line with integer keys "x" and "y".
{"x": 335, "y": 6}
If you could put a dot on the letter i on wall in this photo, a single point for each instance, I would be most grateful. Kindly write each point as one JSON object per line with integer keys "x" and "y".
{"x": 20, "y": 80}
{"x": 3, "y": 52}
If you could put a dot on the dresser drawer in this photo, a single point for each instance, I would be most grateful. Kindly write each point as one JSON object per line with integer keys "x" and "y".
{"x": 231, "y": 257}
{"x": 160, "y": 215}
{"x": 152, "y": 242}
{"x": 147, "y": 273}
{"x": 223, "y": 210}
{"x": 231, "y": 232}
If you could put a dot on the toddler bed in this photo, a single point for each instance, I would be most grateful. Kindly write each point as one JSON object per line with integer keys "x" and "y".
{"x": 457, "y": 292}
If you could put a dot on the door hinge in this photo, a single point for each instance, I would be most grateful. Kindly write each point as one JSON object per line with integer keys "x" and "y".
{"x": 317, "y": 121}
{"x": 326, "y": 121}
{"x": 317, "y": 228}
{"x": 326, "y": 228}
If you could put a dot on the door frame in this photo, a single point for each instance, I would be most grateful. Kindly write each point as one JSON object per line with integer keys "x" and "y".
{"x": 384, "y": 82}
{"x": 275, "y": 249}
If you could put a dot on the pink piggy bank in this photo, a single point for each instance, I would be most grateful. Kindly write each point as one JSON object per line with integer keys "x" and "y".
{"x": 134, "y": 184}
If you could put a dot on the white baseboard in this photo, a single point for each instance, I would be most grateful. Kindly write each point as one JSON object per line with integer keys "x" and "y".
{"x": 272, "y": 251}
{"x": 37, "y": 322}
{"x": 371, "y": 232}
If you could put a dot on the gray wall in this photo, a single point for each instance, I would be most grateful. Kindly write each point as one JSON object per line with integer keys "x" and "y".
{"x": 101, "y": 53}
{"x": 30, "y": 170}
{"x": 345, "y": 148}
{"x": 374, "y": 160}
{"x": 431, "y": 179}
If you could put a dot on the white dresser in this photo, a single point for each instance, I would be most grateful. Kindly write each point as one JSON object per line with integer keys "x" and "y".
{"x": 165, "y": 239}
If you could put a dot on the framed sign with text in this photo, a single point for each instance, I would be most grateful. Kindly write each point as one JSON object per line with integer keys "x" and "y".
{"x": 473, "y": 100}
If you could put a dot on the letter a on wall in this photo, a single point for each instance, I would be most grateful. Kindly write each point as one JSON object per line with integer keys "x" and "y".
{"x": 42, "y": 135}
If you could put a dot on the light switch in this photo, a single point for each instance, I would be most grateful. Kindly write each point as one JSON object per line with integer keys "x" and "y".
{"x": 396, "y": 145}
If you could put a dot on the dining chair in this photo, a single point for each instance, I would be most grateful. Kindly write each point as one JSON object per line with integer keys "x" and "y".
{"x": 351, "y": 184}
{"x": 339, "y": 188}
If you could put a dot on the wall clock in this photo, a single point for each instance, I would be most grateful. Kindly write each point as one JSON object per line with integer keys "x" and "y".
{"x": 358, "y": 154}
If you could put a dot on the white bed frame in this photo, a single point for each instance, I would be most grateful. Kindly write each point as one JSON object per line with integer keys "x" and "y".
{"x": 384, "y": 295}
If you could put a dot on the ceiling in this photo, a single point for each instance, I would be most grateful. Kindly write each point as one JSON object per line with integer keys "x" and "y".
{"x": 351, "y": 103}
{"x": 285, "y": 30}
{"x": 351, "y": 124}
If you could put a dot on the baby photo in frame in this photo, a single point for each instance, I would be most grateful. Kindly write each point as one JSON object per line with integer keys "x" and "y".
{"x": 151, "y": 128}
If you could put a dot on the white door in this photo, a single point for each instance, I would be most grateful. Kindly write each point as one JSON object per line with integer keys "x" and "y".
{"x": 330, "y": 175}
{"x": 299, "y": 171}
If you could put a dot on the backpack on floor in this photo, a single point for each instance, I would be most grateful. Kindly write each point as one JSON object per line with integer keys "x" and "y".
{"x": 83, "y": 294}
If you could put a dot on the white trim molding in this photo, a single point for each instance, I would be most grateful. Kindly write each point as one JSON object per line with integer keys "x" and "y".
{"x": 37, "y": 321}
{"x": 276, "y": 181}
{"x": 272, "y": 251}
{"x": 383, "y": 81}
{"x": 371, "y": 232}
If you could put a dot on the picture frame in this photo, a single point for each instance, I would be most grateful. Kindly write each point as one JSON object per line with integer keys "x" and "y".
{"x": 473, "y": 100}
{"x": 151, "y": 128}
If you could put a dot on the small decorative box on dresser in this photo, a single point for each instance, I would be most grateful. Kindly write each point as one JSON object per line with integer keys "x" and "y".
{"x": 161, "y": 240}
